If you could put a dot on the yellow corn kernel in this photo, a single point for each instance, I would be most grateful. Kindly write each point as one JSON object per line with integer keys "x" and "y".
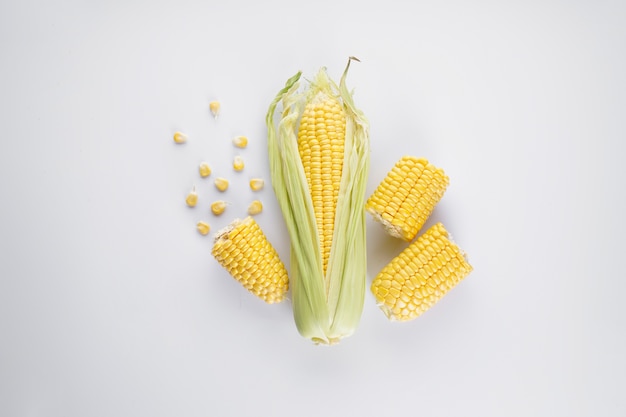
{"x": 192, "y": 198}
{"x": 321, "y": 139}
{"x": 255, "y": 207}
{"x": 244, "y": 251}
{"x": 218, "y": 207}
{"x": 238, "y": 163}
{"x": 406, "y": 197}
{"x": 205, "y": 170}
{"x": 203, "y": 228}
{"x": 180, "y": 137}
{"x": 215, "y": 106}
{"x": 240, "y": 141}
{"x": 256, "y": 184}
{"x": 419, "y": 277}
{"x": 221, "y": 184}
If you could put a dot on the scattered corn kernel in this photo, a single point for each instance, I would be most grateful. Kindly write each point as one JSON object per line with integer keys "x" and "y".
{"x": 244, "y": 251}
{"x": 192, "y": 198}
{"x": 221, "y": 183}
{"x": 256, "y": 184}
{"x": 218, "y": 207}
{"x": 180, "y": 137}
{"x": 255, "y": 207}
{"x": 240, "y": 141}
{"x": 214, "y": 106}
{"x": 203, "y": 228}
{"x": 205, "y": 170}
{"x": 238, "y": 163}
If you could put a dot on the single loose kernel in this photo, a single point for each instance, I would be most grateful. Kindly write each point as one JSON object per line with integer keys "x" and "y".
{"x": 240, "y": 141}
{"x": 221, "y": 184}
{"x": 255, "y": 207}
{"x": 205, "y": 170}
{"x": 218, "y": 207}
{"x": 238, "y": 163}
{"x": 180, "y": 137}
{"x": 203, "y": 228}
{"x": 192, "y": 198}
{"x": 256, "y": 184}
{"x": 214, "y": 106}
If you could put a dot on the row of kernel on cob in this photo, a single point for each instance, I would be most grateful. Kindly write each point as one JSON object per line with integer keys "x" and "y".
{"x": 319, "y": 160}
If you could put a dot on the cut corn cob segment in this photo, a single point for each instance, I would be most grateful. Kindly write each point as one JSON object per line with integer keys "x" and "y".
{"x": 407, "y": 196}
{"x": 420, "y": 276}
{"x": 319, "y": 172}
{"x": 244, "y": 251}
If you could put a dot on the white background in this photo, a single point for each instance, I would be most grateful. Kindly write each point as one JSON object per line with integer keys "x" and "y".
{"x": 111, "y": 305}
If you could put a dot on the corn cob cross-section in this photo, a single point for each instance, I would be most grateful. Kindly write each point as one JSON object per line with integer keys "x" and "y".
{"x": 420, "y": 276}
{"x": 407, "y": 196}
{"x": 244, "y": 251}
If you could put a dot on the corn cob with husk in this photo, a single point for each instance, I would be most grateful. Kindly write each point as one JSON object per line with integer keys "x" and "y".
{"x": 319, "y": 159}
